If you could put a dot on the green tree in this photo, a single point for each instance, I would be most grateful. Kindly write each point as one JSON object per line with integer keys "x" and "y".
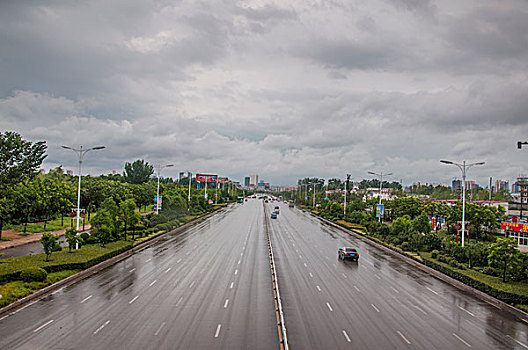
{"x": 49, "y": 244}
{"x": 504, "y": 256}
{"x": 401, "y": 225}
{"x": 405, "y": 206}
{"x": 73, "y": 238}
{"x": 103, "y": 226}
{"x": 127, "y": 214}
{"x": 138, "y": 172}
{"x": 422, "y": 224}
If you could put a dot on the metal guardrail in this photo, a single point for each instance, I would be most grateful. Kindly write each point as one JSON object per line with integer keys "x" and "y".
{"x": 281, "y": 325}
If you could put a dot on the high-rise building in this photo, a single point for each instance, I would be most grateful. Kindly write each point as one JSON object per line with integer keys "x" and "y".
{"x": 253, "y": 180}
{"x": 501, "y": 185}
{"x": 246, "y": 181}
{"x": 456, "y": 185}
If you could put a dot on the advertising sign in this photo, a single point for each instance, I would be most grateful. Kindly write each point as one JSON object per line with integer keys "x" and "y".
{"x": 512, "y": 226}
{"x": 380, "y": 210}
{"x": 157, "y": 202}
{"x": 222, "y": 180}
{"x": 206, "y": 178}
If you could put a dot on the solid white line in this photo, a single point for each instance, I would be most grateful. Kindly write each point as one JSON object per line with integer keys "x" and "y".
{"x": 346, "y": 336}
{"x": 217, "y": 330}
{"x": 55, "y": 292}
{"x": 395, "y": 290}
{"x": 375, "y": 308}
{"x": 86, "y": 299}
{"x": 225, "y": 304}
{"x": 311, "y": 274}
{"x": 429, "y": 289}
{"x": 462, "y": 340}
{"x": 461, "y": 308}
{"x": 168, "y": 269}
{"x": 134, "y": 269}
{"x": 177, "y": 262}
{"x": 152, "y": 283}
{"x": 28, "y": 305}
{"x": 134, "y": 299}
{"x": 236, "y": 272}
{"x": 329, "y": 307}
{"x": 159, "y": 329}
{"x": 148, "y": 260}
{"x": 356, "y": 288}
{"x": 192, "y": 284}
{"x": 401, "y": 335}
{"x": 518, "y": 342}
{"x": 318, "y": 288}
{"x": 102, "y": 326}
{"x": 6, "y": 316}
{"x": 232, "y": 284}
{"x": 179, "y": 301}
{"x": 44, "y": 325}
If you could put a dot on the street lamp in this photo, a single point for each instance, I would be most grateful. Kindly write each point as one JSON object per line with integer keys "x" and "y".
{"x": 346, "y": 189}
{"x": 314, "y": 183}
{"x": 158, "y": 171}
{"x": 381, "y": 184}
{"x": 81, "y": 153}
{"x": 464, "y": 168}
{"x": 520, "y": 144}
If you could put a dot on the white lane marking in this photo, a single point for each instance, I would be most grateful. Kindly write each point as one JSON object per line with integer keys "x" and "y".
{"x": 329, "y": 307}
{"x": 236, "y": 272}
{"x": 375, "y": 308}
{"x": 429, "y": 289}
{"x": 241, "y": 254}
{"x": 189, "y": 252}
{"x": 177, "y": 262}
{"x": 378, "y": 277}
{"x": 217, "y": 330}
{"x": 86, "y": 299}
{"x": 305, "y": 265}
{"x": 225, "y": 304}
{"x": 170, "y": 268}
{"x": 346, "y": 336}
{"x": 311, "y": 274}
{"x": 300, "y": 256}
{"x": 102, "y": 326}
{"x": 419, "y": 309}
{"x": 192, "y": 284}
{"x": 318, "y": 288}
{"x": 356, "y": 288}
{"x": 395, "y": 290}
{"x": 55, "y": 292}
{"x": 134, "y": 299}
{"x": 134, "y": 269}
{"x": 461, "y": 308}
{"x": 179, "y": 301}
{"x": 148, "y": 260}
{"x": 403, "y": 337}
{"x": 44, "y": 325}
{"x": 462, "y": 340}
{"x": 6, "y": 316}
{"x": 518, "y": 342}
{"x": 28, "y": 305}
{"x": 232, "y": 284}
{"x": 152, "y": 283}
{"x": 345, "y": 276}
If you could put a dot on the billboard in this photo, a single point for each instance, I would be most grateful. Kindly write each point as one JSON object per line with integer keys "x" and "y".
{"x": 206, "y": 178}
{"x": 516, "y": 227}
{"x": 380, "y": 210}
{"x": 157, "y": 202}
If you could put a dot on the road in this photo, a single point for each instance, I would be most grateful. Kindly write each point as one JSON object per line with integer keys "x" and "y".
{"x": 210, "y": 287}
{"x": 379, "y": 302}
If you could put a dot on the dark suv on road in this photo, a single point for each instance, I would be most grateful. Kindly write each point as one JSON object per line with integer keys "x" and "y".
{"x": 346, "y": 253}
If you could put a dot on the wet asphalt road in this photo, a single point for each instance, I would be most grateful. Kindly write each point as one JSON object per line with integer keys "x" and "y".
{"x": 379, "y": 302}
{"x": 210, "y": 287}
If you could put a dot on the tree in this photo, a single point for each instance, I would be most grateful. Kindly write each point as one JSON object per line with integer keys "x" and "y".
{"x": 505, "y": 256}
{"x": 19, "y": 158}
{"x": 49, "y": 243}
{"x": 422, "y": 224}
{"x": 401, "y": 225}
{"x": 138, "y": 172}
{"x": 103, "y": 225}
{"x": 127, "y": 214}
{"x": 72, "y": 238}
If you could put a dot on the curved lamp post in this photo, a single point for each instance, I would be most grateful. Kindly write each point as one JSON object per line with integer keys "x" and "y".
{"x": 463, "y": 168}
{"x": 381, "y": 183}
{"x": 81, "y": 152}
{"x": 158, "y": 171}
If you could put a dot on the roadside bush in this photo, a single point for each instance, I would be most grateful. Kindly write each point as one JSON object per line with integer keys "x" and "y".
{"x": 488, "y": 270}
{"x": 85, "y": 236}
{"x": 405, "y": 246}
{"x": 461, "y": 266}
{"x": 32, "y": 274}
{"x": 434, "y": 254}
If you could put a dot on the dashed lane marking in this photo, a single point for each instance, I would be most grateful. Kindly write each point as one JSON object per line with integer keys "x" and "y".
{"x": 217, "y": 333}
{"x": 395, "y": 290}
{"x": 148, "y": 260}
{"x": 134, "y": 299}
{"x": 419, "y": 309}
{"x": 86, "y": 299}
{"x": 101, "y": 327}
{"x": 462, "y": 340}
{"x": 305, "y": 265}
{"x": 356, "y": 288}
{"x": 329, "y": 307}
{"x": 177, "y": 262}
{"x": 345, "y": 276}
{"x": 159, "y": 329}
{"x": 236, "y": 272}
{"x": 318, "y": 288}
{"x": 311, "y": 275}
{"x": 403, "y": 337}
{"x": 225, "y": 304}
{"x": 170, "y": 268}
{"x": 461, "y": 308}
{"x": 232, "y": 284}
{"x": 375, "y": 308}
{"x": 346, "y": 336}
{"x": 192, "y": 284}
{"x": 429, "y": 289}
{"x": 152, "y": 283}
{"x": 179, "y": 301}
{"x": 518, "y": 342}
{"x": 44, "y": 325}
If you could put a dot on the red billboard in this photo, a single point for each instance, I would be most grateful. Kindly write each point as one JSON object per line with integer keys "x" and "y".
{"x": 511, "y": 226}
{"x": 206, "y": 178}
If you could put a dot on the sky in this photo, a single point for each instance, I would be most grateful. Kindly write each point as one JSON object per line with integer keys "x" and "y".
{"x": 285, "y": 89}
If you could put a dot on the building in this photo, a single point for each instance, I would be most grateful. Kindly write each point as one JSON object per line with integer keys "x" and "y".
{"x": 501, "y": 185}
{"x": 253, "y": 180}
{"x": 456, "y": 185}
{"x": 471, "y": 185}
{"x": 246, "y": 181}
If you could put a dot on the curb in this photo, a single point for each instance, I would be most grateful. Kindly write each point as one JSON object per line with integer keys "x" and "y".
{"x": 522, "y": 315}
{"x": 17, "y": 305}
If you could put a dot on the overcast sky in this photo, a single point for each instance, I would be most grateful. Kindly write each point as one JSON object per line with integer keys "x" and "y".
{"x": 285, "y": 89}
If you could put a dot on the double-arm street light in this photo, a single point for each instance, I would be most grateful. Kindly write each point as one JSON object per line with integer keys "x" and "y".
{"x": 346, "y": 189}
{"x": 158, "y": 171}
{"x": 520, "y": 144}
{"x": 463, "y": 168}
{"x": 81, "y": 153}
{"x": 381, "y": 184}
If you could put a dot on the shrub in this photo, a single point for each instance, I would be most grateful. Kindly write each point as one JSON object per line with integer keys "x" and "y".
{"x": 31, "y": 274}
{"x": 434, "y": 254}
{"x": 461, "y": 266}
{"x": 488, "y": 270}
{"x": 85, "y": 236}
{"x": 405, "y": 246}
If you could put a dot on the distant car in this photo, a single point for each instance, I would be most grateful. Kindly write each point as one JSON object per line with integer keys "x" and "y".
{"x": 347, "y": 253}
{"x": 273, "y": 215}
{"x": 277, "y": 210}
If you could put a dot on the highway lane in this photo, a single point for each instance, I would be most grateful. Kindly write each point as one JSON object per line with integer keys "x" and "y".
{"x": 379, "y": 302}
{"x": 208, "y": 287}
